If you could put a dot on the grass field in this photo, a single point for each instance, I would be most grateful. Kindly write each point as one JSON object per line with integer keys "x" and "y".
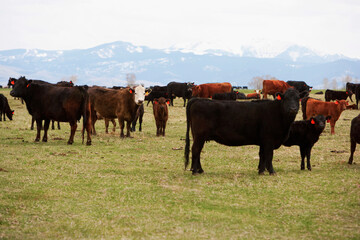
{"x": 137, "y": 189}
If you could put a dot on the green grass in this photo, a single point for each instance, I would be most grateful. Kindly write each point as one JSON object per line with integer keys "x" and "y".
{"x": 137, "y": 189}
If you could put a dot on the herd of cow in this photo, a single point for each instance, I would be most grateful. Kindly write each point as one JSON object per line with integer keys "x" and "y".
{"x": 212, "y": 113}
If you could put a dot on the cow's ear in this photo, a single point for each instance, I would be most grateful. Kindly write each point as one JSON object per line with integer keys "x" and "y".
{"x": 312, "y": 121}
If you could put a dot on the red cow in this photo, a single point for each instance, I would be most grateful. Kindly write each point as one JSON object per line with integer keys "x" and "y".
{"x": 207, "y": 90}
{"x": 313, "y": 107}
{"x": 274, "y": 86}
{"x": 253, "y": 96}
{"x": 161, "y": 114}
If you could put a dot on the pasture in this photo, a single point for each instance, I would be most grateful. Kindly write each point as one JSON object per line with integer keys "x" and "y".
{"x": 136, "y": 188}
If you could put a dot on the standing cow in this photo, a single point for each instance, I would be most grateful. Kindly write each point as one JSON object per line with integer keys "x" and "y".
{"x": 305, "y": 134}
{"x": 207, "y": 90}
{"x": 176, "y": 89}
{"x": 274, "y": 86}
{"x": 48, "y": 102}
{"x": 234, "y": 123}
{"x": 354, "y": 136}
{"x": 161, "y": 115}
{"x": 121, "y": 104}
{"x": 5, "y": 108}
{"x": 333, "y": 95}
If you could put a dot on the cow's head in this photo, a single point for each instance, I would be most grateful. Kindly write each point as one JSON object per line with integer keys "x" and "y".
{"x": 319, "y": 122}
{"x": 139, "y": 92}
{"x": 342, "y": 104}
{"x": 289, "y": 102}
{"x": 196, "y": 90}
{"x": 20, "y": 87}
{"x": 10, "y": 114}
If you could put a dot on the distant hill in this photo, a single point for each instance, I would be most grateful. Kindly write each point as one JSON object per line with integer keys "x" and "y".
{"x": 108, "y": 64}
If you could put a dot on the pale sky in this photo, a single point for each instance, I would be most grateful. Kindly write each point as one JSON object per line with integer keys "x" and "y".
{"x": 327, "y": 26}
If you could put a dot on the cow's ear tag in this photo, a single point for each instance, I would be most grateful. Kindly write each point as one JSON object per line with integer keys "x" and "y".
{"x": 328, "y": 120}
{"x": 168, "y": 102}
{"x": 28, "y": 85}
{"x": 12, "y": 82}
{"x": 131, "y": 91}
{"x": 336, "y": 102}
{"x": 13, "y": 112}
{"x": 312, "y": 121}
{"x": 156, "y": 102}
{"x": 278, "y": 97}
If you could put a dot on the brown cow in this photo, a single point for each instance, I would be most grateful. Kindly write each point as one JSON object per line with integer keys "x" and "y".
{"x": 161, "y": 115}
{"x": 312, "y": 107}
{"x": 207, "y": 90}
{"x": 121, "y": 104}
{"x": 253, "y": 96}
{"x": 274, "y": 86}
{"x": 107, "y": 120}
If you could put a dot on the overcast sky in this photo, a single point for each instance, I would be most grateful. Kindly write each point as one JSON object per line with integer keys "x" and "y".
{"x": 328, "y": 26}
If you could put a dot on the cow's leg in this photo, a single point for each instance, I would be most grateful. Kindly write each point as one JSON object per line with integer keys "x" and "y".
{"x": 88, "y": 128}
{"x": 261, "y": 166}
{"x": 58, "y": 125}
{"x": 106, "y": 125}
{"x": 52, "y": 125}
{"x": 197, "y": 146}
{"x": 32, "y": 123}
{"x": 302, "y": 153}
{"x": 38, "y": 128}
{"x": 93, "y": 121}
{"x": 114, "y": 124}
{"x": 73, "y": 126}
{"x": 140, "y": 122}
{"x": 268, "y": 157}
{"x": 308, "y": 155}
{"x": 352, "y": 150}
{"x": 1, "y": 116}
{"x": 332, "y": 125}
{"x": 133, "y": 124}
{"x": 184, "y": 101}
{"x": 128, "y": 125}
{"x": 157, "y": 128}
{"x": 164, "y": 126}
{"x": 121, "y": 126}
{"x": 46, "y": 128}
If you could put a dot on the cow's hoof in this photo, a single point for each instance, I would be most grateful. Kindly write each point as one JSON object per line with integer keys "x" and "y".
{"x": 37, "y": 139}
{"x": 88, "y": 143}
{"x": 69, "y": 143}
{"x": 44, "y": 140}
{"x": 273, "y": 174}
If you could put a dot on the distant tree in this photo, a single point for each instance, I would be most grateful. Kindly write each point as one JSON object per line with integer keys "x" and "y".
{"x": 326, "y": 83}
{"x": 333, "y": 84}
{"x": 130, "y": 79}
{"x": 257, "y": 82}
{"x": 347, "y": 79}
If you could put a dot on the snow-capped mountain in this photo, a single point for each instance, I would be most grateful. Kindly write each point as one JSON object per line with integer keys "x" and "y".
{"x": 108, "y": 64}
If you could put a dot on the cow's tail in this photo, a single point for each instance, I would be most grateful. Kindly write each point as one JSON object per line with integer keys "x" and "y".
{"x": 187, "y": 140}
{"x": 303, "y": 106}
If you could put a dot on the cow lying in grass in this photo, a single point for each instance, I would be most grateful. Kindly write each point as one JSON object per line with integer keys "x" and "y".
{"x": 305, "y": 134}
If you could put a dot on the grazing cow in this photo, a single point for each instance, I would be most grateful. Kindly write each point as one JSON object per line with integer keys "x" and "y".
{"x": 5, "y": 108}
{"x": 121, "y": 104}
{"x": 240, "y": 95}
{"x": 176, "y": 89}
{"x": 320, "y": 92}
{"x": 253, "y": 96}
{"x": 156, "y": 92}
{"x": 354, "y": 136}
{"x": 274, "y": 86}
{"x": 161, "y": 115}
{"x": 225, "y": 96}
{"x": 333, "y": 95}
{"x": 312, "y": 107}
{"x": 139, "y": 115}
{"x": 48, "y": 102}
{"x": 351, "y": 89}
{"x": 305, "y": 134}
{"x": 207, "y": 90}
{"x": 352, "y": 106}
{"x": 234, "y": 123}
{"x": 301, "y": 86}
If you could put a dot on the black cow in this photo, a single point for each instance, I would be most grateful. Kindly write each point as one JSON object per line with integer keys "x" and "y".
{"x": 233, "y": 123}
{"x": 351, "y": 89}
{"x": 357, "y": 95}
{"x": 48, "y": 102}
{"x": 5, "y": 108}
{"x": 354, "y": 136}
{"x": 333, "y": 95}
{"x": 305, "y": 134}
{"x": 156, "y": 92}
{"x": 139, "y": 115}
{"x": 176, "y": 89}
{"x": 225, "y": 96}
{"x": 300, "y": 86}
{"x": 65, "y": 84}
